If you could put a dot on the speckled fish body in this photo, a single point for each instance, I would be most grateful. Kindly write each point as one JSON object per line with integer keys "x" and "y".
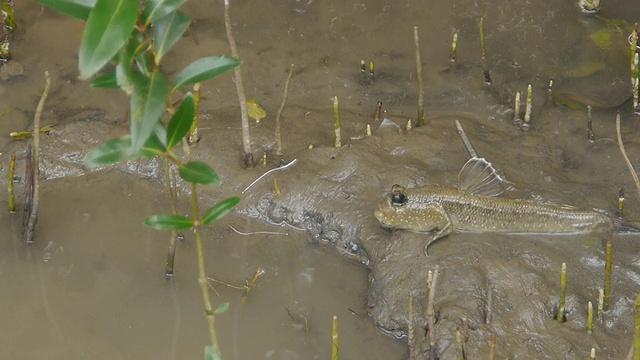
{"x": 433, "y": 208}
{"x": 476, "y": 207}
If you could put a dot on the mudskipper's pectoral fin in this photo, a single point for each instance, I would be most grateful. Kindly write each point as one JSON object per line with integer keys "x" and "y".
{"x": 442, "y": 224}
{"x": 479, "y": 177}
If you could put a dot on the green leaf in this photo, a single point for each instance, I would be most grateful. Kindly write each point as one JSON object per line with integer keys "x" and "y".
{"x": 147, "y": 105}
{"x": 154, "y": 146}
{"x": 157, "y": 9}
{"x": 105, "y": 81}
{"x": 78, "y": 9}
{"x": 204, "y": 69}
{"x": 220, "y": 209}
{"x": 221, "y": 309}
{"x": 168, "y": 222}
{"x": 211, "y": 353}
{"x": 111, "y": 152}
{"x": 168, "y": 31}
{"x": 198, "y": 172}
{"x": 180, "y": 121}
{"x": 108, "y": 27}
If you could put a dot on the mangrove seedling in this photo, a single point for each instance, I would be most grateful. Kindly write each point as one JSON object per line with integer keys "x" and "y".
{"x": 590, "y": 136}
{"x": 483, "y": 53}
{"x": 589, "y": 317}
{"x": 336, "y": 123}
{"x": 454, "y": 47}
{"x": 563, "y": 293}
{"x": 134, "y": 37}
{"x": 607, "y": 275}
{"x": 527, "y": 109}
{"x": 12, "y": 170}
{"x": 278, "y": 135}
{"x": 416, "y": 41}
{"x": 621, "y": 199}
{"x": 334, "y": 339}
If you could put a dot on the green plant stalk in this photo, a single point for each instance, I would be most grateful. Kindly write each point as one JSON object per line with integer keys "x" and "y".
{"x": 460, "y": 345}
{"x": 202, "y": 275}
{"x": 334, "y": 339}
{"x": 454, "y": 47}
{"x": 420, "y": 82}
{"x": 431, "y": 318}
{"x": 12, "y": 170}
{"x": 592, "y": 354}
{"x": 589, "y": 317}
{"x": 485, "y": 66}
{"x": 563, "y": 292}
{"x": 607, "y": 275}
{"x": 171, "y": 254}
{"x": 492, "y": 348}
{"x": 636, "y": 332}
{"x": 194, "y": 137}
{"x": 337, "y": 122}
{"x": 33, "y": 214}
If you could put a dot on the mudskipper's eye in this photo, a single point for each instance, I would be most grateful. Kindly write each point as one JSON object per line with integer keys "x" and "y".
{"x": 398, "y": 196}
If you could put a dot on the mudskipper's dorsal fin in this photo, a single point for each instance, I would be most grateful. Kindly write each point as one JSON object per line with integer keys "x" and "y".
{"x": 478, "y": 177}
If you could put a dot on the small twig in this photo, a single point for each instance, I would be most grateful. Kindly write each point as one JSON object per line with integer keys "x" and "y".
{"x": 269, "y": 172}
{"x": 336, "y": 124}
{"x": 12, "y": 170}
{"x": 279, "y": 114}
{"x": 431, "y": 314}
{"x": 257, "y": 232}
{"x": 410, "y": 335}
{"x": 465, "y": 140}
{"x": 607, "y": 275}
{"x": 420, "y": 82}
{"x": 624, "y": 155}
{"x": 33, "y": 215}
{"x": 252, "y": 283}
{"x": 492, "y": 348}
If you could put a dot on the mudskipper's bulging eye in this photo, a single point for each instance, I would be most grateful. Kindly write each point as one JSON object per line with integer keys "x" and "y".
{"x": 398, "y": 196}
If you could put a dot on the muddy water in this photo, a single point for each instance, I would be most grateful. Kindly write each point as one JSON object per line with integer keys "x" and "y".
{"x": 99, "y": 286}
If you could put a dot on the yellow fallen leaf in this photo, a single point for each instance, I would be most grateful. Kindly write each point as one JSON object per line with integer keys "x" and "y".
{"x": 20, "y": 135}
{"x": 255, "y": 110}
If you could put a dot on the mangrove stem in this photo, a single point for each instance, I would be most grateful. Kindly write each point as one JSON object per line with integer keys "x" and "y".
{"x": 194, "y": 137}
{"x": 607, "y": 275}
{"x": 431, "y": 314}
{"x": 636, "y": 332}
{"x": 334, "y": 339}
{"x": 485, "y": 66}
{"x": 337, "y": 122}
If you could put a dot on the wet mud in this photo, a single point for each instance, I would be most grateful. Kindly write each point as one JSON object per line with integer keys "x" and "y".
{"x": 498, "y": 285}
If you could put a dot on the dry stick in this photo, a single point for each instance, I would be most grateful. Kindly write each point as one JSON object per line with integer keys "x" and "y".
{"x": 33, "y": 215}
{"x": 410, "y": 334}
{"x": 28, "y": 189}
{"x": 624, "y": 155}
{"x": 269, "y": 172}
{"x": 607, "y": 275}
{"x": 492, "y": 348}
{"x": 252, "y": 283}
{"x": 590, "y": 136}
{"x": 334, "y": 339}
{"x": 636, "y": 332}
{"x": 563, "y": 293}
{"x": 589, "y": 317}
{"x": 431, "y": 314}
{"x": 193, "y": 131}
{"x": 465, "y": 140}
{"x": 246, "y": 138}
{"x": 527, "y": 109}
{"x": 485, "y": 66}
{"x": 12, "y": 170}
{"x": 337, "y": 122}
{"x": 489, "y": 312}
{"x": 278, "y": 135}
{"x": 420, "y": 83}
